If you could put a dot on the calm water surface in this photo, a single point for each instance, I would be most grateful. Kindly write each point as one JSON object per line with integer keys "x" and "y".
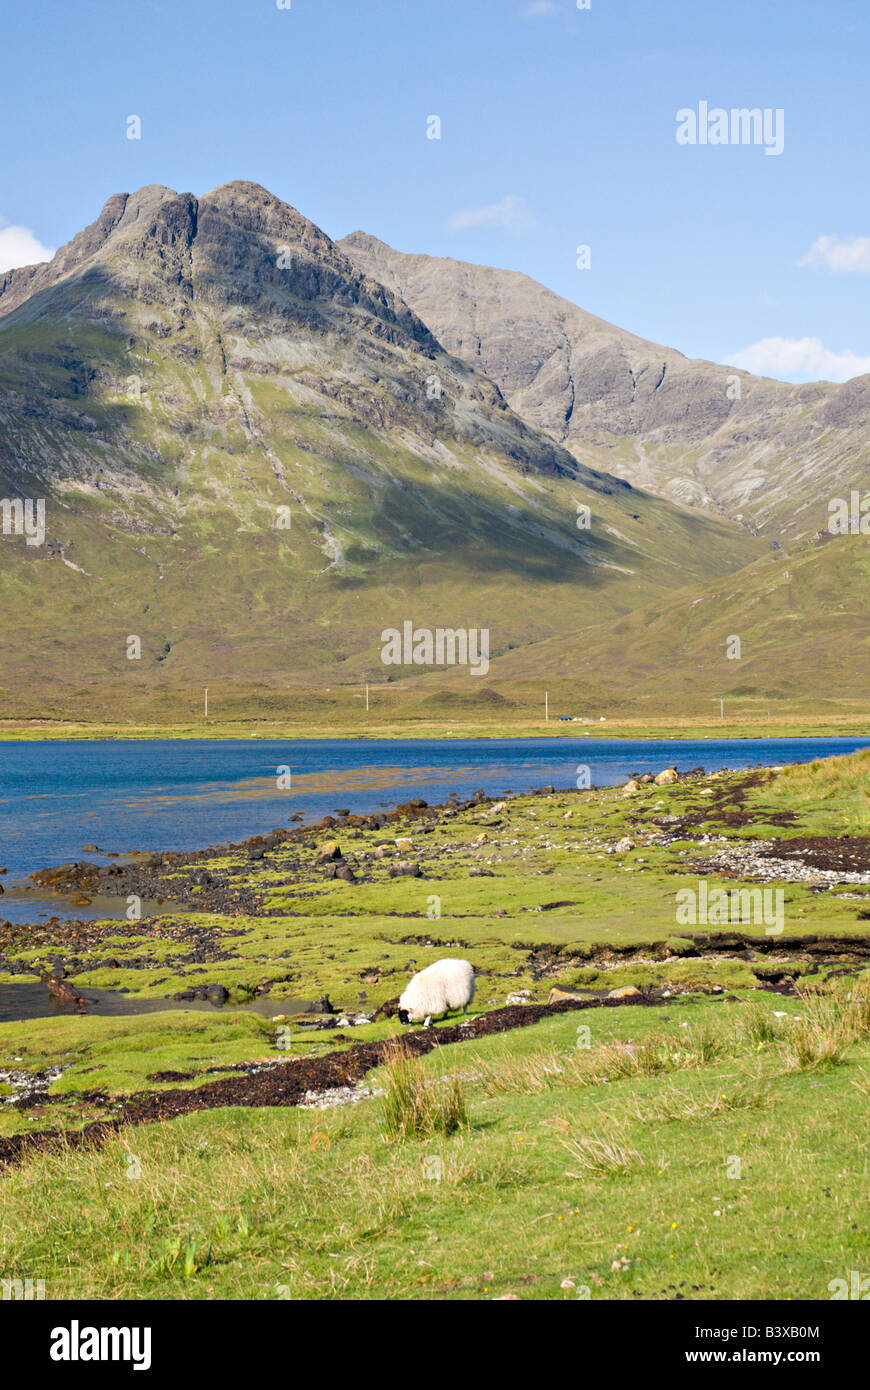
{"x": 58, "y": 797}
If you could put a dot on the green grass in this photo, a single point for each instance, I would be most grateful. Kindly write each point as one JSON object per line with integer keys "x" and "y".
{"x": 415, "y": 1106}
{"x": 635, "y": 1188}
{"x": 631, "y": 1152}
{"x": 397, "y": 713}
{"x": 832, "y": 795}
{"x": 613, "y": 924}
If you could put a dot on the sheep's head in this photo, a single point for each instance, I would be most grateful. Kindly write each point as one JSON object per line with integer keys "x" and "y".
{"x": 404, "y": 1016}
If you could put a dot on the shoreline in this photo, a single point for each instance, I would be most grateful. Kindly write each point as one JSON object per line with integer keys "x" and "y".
{"x": 137, "y": 861}
{"x": 625, "y": 730}
{"x": 130, "y": 869}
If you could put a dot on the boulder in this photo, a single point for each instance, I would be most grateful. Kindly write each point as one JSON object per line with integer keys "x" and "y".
{"x": 624, "y": 845}
{"x": 328, "y": 851}
{"x": 631, "y": 786}
{"x": 63, "y": 990}
{"x": 405, "y": 870}
{"x": 625, "y": 992}
{"x": 559, "y": 996}
{"x": 670, "y": 774}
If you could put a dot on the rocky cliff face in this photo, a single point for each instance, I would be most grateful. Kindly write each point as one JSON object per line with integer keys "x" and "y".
{"x": 759, "y": 452}
{"x": 241, "y": 282}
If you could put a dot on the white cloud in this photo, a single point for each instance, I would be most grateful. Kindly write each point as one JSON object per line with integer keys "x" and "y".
{"x": 539, "y": 9}
{"x": 846, "y": 257}
{"x": 512, "y": 214}
{"x": 18, "y": 246}
{"x": 799, "y": 359}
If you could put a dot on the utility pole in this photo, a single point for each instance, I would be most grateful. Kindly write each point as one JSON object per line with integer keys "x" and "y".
{"x": 721, "y": 708}
{"x": 546, "y": 706}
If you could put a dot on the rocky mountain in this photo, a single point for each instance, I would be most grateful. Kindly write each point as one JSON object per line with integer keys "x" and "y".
{"x": 760, "y": 453}
{"x": 254, "y": 456}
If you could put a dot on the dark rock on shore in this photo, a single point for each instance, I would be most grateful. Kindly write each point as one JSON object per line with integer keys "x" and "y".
{"x": 405, "y": 870}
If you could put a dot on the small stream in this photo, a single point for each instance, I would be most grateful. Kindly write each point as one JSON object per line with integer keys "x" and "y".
{"x": 19, "y": 1002}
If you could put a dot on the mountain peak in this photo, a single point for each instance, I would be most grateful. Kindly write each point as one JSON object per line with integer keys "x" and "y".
{"x": 364, "y": 240}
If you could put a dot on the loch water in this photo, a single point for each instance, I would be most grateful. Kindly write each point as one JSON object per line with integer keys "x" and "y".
{"x": 58, "y": 797}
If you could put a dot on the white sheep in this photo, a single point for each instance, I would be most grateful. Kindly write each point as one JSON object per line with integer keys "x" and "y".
{"x": 433, "y": 992}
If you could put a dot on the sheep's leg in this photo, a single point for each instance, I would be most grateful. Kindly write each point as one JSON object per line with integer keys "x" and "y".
{"x": 427, "y": 1021}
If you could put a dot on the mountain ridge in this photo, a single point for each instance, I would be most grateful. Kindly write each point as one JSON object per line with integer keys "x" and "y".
{"x": 764, "y": 454}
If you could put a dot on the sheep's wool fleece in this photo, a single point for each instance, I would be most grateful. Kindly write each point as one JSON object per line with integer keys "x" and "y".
{"x": 448, "y": 984}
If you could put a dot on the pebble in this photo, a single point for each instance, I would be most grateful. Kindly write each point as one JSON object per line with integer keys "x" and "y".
{"x": 751, "y": 864}
{"x": 338, "y": 1095}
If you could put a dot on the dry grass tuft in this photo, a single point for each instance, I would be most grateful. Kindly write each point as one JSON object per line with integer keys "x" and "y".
{"x": 830, "y": 1023}
{"x": 672, "y": 1104}
{"x": 415, "y": 1107}
{"x": 600, "y": 1158}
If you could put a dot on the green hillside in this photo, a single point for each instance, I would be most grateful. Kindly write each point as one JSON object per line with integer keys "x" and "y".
{"x": 800, "y": 618}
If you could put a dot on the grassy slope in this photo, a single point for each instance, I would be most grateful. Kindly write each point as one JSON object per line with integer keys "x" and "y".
{"x": 801, "y": 622}
{"x": 274, "y": 1204}
{"x": 277, "y": 1204}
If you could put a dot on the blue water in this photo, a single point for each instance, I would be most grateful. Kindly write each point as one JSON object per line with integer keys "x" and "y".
{"x": 57, "y": 797}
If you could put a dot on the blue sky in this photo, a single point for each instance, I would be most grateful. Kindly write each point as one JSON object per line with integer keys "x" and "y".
{"x": 558, "y": 130}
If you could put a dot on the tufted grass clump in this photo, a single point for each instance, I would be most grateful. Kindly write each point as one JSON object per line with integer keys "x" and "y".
{"x": 600, "y": 1157}
{"x": 829, "y": 1025}
{"x": 759, "y": 1027}
{"x": 416, "y": 1107}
